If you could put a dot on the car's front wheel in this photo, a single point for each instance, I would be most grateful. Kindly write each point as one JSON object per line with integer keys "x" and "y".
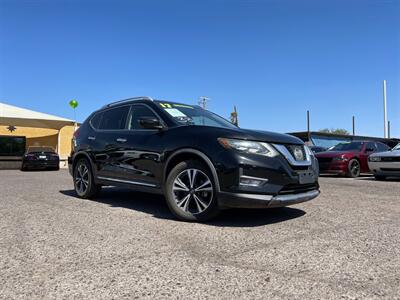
{"x": 84, "y": 184}
{"x": 354, "y": 168}
{"x": 190, "y": 192}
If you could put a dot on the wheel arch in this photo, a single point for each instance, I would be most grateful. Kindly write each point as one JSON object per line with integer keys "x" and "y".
{"x": 189, "y": 153}
{"x": 78, "y": 156}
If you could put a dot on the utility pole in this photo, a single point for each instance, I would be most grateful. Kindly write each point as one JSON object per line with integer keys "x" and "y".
{"x": 203, "y": 101}
{"x": 388, "y": 129}
{"x": 354, "y": 126}
{"x": 308, "y": 125}
{"x": 385, "y": 117}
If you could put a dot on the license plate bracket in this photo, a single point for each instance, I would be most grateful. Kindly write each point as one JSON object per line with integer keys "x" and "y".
{"x": 306, "y": 177}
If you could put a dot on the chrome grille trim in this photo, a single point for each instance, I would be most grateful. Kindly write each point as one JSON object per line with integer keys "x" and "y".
{"x": 289, "y": 157}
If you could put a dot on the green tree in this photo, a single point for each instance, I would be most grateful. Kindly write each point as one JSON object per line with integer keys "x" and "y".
{"x": 335, "y": 131}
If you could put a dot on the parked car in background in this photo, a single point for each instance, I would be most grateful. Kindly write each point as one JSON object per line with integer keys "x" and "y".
{"x": 40, "y": 158}
{"x": 349, "y": 159}
{"x": 385, "y": 164}
{"x": 317, "y": 149}
{"x": 198, "y": 160}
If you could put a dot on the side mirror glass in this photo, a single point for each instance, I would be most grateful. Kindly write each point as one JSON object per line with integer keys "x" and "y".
{"x": 150, "y": 123}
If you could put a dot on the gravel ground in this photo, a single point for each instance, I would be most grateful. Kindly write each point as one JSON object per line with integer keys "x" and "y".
{"x": 344, "y": 244}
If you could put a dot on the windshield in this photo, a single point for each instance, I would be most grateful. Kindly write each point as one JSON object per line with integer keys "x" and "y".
{"x": 397, "y": 147}
{"x": 40, "y": 149}
{"x": 353, "y": 146}
{"x": 194, "y": 115}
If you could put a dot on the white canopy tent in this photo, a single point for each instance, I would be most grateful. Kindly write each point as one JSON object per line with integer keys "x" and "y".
{"x": 17, "y": 116}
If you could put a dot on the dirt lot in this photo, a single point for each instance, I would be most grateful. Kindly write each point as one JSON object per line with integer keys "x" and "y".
{"x": 344, "y": 244}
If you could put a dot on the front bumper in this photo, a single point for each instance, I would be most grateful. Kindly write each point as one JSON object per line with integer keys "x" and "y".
{"x": 334, "y": 167}
{"x": 231, "y": 200}
{"x": 385, "y": 168}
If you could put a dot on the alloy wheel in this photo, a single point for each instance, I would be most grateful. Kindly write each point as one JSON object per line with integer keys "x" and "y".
{"x": 355, "y": 168}
{"x": 82, "y": 179}
{"x": 193, "y": 191}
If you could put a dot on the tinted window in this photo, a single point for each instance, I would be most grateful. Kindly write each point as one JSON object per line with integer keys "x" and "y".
{"x": 139, "y": 111}
{"x": 194, "y": 115}
{"x": 95, "y": 121}
{"x": 328, "y": 141}
{"x": 353, "y": 146}
{"x": 370, "y": 147}
{"x": 12, "y": 146}
{"x": 114, "y": 118}
{"x": 382, "y": 147}
{"x": 40, "y": 149}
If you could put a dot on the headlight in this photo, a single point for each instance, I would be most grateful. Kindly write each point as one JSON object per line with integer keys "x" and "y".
{"x": 308, "y": 150}
{"x": 374, "y": 158}
{"x": 249, "y": 147}
{"x": 339, "y": 158}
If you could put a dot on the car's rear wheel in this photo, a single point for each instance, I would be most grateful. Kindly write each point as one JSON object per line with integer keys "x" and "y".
{"x": 84, "y": 184}
{"x": 354, "y": 168}
{"x": 380, "y": 177}
{"x": 190, "y": 192}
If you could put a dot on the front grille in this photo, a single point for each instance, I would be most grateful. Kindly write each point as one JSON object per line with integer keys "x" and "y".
{"x": 391, "y": 158}
{"x": 324, "y": 160}
{"x": 298, "y": 188}
{"x": 298, "y": 152}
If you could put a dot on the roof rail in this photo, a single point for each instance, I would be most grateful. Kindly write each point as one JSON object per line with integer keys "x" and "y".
{"x": 128, "y": 100}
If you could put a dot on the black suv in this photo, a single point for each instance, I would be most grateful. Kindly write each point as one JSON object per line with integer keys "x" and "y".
{"x": 198, "y": 160}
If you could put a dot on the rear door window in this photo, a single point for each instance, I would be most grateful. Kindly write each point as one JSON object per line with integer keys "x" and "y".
{"x": 95, "y": 121}
{"x": 114, "y": 119}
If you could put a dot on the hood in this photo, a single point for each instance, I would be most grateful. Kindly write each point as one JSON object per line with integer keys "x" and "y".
{"x": 262, "y": 136}
{"x": 333, "y": 153}
{"x": 395, "y": 153}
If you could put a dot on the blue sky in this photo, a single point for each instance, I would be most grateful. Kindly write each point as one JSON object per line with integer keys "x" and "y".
{"x": 272, "y": 59}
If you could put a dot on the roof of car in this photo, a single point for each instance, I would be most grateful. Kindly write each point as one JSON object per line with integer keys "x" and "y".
{"x": 144, "y": 99}
{"x": 128, "y": 100}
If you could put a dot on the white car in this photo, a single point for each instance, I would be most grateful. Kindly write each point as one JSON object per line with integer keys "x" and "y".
{"x": 385, "y": 164}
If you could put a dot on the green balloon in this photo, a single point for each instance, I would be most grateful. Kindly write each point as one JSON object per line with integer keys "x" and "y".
{"x": 73, "y": 103}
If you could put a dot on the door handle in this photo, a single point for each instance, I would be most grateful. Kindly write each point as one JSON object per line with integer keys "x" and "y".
{"x": 121, "y": 140}
{"x": 92, "y": 138}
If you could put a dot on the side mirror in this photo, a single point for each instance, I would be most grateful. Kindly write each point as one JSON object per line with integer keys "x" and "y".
{"x": 150, "y": 123}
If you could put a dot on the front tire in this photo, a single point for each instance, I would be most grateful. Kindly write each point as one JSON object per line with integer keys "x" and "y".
{"x": 191, "y": 193}
{"x": 380, "y": 177}
{"x": 354, "y": 168}
{"x": 84, "y": 184}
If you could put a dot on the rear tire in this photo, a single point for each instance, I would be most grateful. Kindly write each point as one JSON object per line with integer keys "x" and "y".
{"x": 84, "y": 184}
{"x": 380, "y": 177}
{"x": 191, "y": 192}
{"x": 354, "y": 168}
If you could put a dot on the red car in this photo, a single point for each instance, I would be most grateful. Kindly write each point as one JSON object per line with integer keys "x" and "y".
{"x": 349, "y": 159}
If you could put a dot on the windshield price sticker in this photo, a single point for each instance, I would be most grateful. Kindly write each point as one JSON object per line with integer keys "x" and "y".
{"x": 175, "y": 113}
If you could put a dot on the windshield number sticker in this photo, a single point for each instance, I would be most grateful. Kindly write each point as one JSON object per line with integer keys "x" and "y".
{"x": 166, "y": 105}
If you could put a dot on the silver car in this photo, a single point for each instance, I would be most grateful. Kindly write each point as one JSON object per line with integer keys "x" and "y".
{"x": 385, "y": 164}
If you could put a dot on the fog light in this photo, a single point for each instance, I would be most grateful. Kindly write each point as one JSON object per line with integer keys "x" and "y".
{"x": 251, "y": 181}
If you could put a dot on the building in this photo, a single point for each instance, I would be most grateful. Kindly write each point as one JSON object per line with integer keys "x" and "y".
{"x": 328, "y": 140}
{"x": 21, "y": 128}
